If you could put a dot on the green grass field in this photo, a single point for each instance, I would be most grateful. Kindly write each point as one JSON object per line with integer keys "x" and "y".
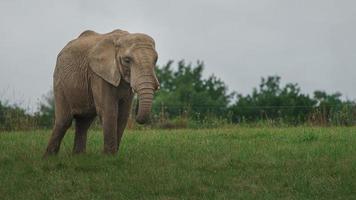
{"x": 229, "y": 163}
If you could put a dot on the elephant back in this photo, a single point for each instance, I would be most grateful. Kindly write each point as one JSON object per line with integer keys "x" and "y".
{"x": 73, "y": 58}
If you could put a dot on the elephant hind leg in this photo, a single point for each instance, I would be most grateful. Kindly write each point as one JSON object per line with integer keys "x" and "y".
{"x": 58, "y": 133}
{"x": 63, "y": 120}
{"x": 82, "y": 125}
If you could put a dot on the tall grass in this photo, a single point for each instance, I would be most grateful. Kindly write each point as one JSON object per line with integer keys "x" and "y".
{"x": 17, "y": 118}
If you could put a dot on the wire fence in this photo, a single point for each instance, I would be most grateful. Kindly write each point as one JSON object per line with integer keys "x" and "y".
{"x": 206, "y": 116}
{"x": 215, "y": 115}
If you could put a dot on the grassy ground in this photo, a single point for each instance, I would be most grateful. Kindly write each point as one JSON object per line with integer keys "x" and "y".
{"x": 231, "y": 163}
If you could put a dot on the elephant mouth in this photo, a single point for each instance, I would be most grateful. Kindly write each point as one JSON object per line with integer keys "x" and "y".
{"x": 142, "y": 120}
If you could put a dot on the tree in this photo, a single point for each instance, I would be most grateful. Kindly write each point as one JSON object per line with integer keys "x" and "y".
{"x": 271, "y": 101}
{"x": 13, "y": 117}
{"x": 185, "y": 90}
{"x": 45, "y": 115}
{"x": 332, "y": 109}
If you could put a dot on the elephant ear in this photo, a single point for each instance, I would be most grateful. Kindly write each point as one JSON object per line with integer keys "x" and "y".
{"x": 102, "y": 60}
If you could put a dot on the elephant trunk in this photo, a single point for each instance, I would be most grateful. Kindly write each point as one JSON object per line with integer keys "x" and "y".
{"x": 145, "y": 83}
{"x": 145, "y": 97}
{"x": 145, "y": 88}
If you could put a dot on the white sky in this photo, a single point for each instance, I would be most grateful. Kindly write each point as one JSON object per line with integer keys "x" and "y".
{"x": 310, "y": 42}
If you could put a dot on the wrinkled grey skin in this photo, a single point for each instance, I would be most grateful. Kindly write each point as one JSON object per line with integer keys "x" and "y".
{"x": 97, "y": 74}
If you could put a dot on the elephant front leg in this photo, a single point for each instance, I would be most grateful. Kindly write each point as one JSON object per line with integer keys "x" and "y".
{"x": 82, "y": 125}
{"x": 109, "y": 120}
{"x": 124, "y": 113}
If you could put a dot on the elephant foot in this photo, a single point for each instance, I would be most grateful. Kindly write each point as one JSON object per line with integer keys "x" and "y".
{"x": 110, "y": 151}
{"x": 79, "y": 148}
{"x": 48, "y": 154}
{"x": 78, "y": 151}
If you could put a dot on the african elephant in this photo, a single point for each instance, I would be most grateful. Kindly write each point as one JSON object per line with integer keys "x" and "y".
{"x": 98, "y": 74}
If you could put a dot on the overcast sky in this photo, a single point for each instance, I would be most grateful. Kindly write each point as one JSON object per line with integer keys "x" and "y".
{"x": 309, "y": 42}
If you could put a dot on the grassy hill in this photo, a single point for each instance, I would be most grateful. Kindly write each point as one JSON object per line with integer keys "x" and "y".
{"x": 227, "y": 163}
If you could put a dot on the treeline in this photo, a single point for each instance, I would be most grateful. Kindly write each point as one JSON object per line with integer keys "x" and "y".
{"x": 187, "y": 99}
{"x": 186, "y": 94}
{"x": 14, "y": 117}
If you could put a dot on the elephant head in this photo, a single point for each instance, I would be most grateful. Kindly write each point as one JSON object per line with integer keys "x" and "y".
{"x": 131, "y": 57}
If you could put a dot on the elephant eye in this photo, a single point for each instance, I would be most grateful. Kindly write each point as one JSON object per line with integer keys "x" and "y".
{"x": 126, "y": 60}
